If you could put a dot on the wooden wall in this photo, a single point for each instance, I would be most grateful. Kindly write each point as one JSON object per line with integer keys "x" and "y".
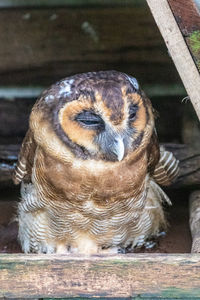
{"x": 41, "y": 44}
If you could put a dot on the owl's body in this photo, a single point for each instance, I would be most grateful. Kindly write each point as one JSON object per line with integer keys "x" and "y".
{"x": 87, "y": 165}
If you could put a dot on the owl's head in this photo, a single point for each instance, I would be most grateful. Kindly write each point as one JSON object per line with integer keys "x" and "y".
{"x": 101, "y": 115}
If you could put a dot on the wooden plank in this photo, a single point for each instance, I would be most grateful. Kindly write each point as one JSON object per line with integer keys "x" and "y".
{"x": 14, "y": 116}
{"x": 194, "y": 204}
{"x": 152, "y": 90}
{"x": 72, "y": 3}
{"x": 189, "y": 158}
{"x": 97, "y": 276}
{"x": 189, "y": 163}
{"x": 82, "y": 42}
{"x": 7, "y": 213}
{"x": 178, "y": 49}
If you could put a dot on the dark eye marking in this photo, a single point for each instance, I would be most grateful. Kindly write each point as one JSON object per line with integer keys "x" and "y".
{"x": 90, "y": 120}
{"x": 133, "y": 111}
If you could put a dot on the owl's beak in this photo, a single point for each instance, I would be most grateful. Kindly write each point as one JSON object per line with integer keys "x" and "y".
{"x": 112, "y": 145}
{"x": 118, "y": 148}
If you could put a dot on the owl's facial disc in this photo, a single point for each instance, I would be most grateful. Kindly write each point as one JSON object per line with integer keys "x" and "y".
{"x": 105, "y": 118}
{"x": 111, "y": 144}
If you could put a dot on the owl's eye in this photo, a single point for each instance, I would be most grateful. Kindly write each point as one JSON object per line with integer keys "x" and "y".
{"x": 90, "y": 120}
{"x": 132, "y": 111}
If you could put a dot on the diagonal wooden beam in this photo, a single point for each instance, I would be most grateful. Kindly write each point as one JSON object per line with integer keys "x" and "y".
{"x": 178, "y": 49}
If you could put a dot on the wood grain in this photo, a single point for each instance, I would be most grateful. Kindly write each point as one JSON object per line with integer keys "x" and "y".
{"x": 188, "y": 20}
{"x": 178, "y": 49}
{"x": 189, "y": 163}
{"x": 68, "y": 3}
{"x": 194, "y": 204}
{"x": 187, "y": 15}
{"x": 40, "y": 46}
{"x": 189, "y": 175}
{"x": 113, "y": 276}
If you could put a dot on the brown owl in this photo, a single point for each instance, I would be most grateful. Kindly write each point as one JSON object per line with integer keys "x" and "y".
{"x": 89, "y": 168}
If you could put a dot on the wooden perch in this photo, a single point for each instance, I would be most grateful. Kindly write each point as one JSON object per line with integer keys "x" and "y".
{"x": 194, "y": 203}
{"x": 112, "y": 277}
{"x": 189, "y": 164}
{"x": 178, "y": 48}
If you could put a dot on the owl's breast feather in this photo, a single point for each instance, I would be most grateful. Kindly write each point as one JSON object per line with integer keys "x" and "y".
{"x": 98, "y": 181}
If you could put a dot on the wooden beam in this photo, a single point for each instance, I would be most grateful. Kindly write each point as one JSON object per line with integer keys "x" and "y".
{"x": 189, "y": 164}
{"x": 29, "y": 43}
{"x": 177, "y": 49}
{"x": 68, "y": 3}
{"x": 123, "y": 276}
{"x": 194, "y": 204}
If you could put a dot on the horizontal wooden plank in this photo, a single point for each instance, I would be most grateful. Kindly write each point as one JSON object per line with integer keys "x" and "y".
{"x": 72, "y": 3}
{"x": 126, "y": 276}
{"x": 42, "y": 46}
{"x": 46, "y": 74}
{"x": 14, "y": 112}
{"x": 14, "y": 116}
{"x": 152, "y": 90}
{"x": 189, "y": 158}
{"x": 189, "y": 163}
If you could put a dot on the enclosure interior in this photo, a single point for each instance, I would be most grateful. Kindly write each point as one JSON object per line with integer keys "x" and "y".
{"x": 42, "y": 44}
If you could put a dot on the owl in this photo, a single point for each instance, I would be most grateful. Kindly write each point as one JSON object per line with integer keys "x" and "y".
{"x": 90, "y": 167}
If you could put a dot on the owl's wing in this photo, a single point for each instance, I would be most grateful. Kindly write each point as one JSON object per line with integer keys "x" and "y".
{"x": 167, "y": 168}
{"x": 153, "y": 151}
{"x": 162, "y": 165}
{"x": 23, "y": 168}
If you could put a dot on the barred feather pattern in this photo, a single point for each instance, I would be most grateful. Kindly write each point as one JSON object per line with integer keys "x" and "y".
{"x": 42, "y": 231}
{"x": 167, "y": 169}
{"x": 25, "y": 161}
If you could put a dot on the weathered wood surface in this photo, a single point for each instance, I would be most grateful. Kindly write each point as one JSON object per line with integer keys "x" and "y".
{"x": 67, "y": 3}
{"x": 7, "y": 213}
{"x": 194, "y": 204}
{"x": 188, "y": 20}
{"x": 189, "y": 164}
{"x": 14, "y": 115}
{"x": 40, "y": 46}
{"x": 189, "y": 175}
{"x": 126, "y": 276}
{"x": 178, "y": 49}
{"x": 8, "y": 157}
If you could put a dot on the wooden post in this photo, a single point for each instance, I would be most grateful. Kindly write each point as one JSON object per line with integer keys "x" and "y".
{"x": 178, "y": 49}
{"x": 194, "y": 203}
